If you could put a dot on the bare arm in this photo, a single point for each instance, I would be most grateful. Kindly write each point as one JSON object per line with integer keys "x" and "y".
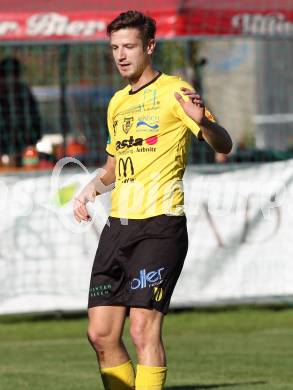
{"x": 214, "y": 134}
{"x": 99, "y": 184}
{"x": 108, "y": 175}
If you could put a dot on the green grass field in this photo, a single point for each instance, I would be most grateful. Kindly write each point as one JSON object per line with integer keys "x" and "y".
{"x": 247, "y": 349}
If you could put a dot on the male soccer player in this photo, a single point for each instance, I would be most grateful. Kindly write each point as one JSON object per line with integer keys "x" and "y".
{"x": 142, "y": 250}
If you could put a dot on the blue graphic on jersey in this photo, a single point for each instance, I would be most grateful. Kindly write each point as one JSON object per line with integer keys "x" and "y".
{"x": 142, "y": 123}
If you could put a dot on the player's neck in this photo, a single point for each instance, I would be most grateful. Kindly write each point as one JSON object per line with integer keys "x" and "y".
{"x": 148, "y": 75}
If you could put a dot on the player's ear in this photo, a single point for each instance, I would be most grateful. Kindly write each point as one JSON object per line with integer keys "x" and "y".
{"x": 151, "y": 46}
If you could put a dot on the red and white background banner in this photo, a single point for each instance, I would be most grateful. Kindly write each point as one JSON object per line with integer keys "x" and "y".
{"x": 240, "y": 222}
{"x": 40, "y": 20}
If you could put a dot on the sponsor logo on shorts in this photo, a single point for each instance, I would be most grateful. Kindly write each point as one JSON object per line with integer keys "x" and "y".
{"x": 100, "y": 290}
{"x": 147, "y": 279}
{"x": 158, "y": 294}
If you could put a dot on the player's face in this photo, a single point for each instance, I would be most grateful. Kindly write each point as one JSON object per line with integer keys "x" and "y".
{"x": 130, "y": 55}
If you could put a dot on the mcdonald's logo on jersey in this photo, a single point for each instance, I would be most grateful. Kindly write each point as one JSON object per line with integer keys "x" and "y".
{"x": 125, "y": 167}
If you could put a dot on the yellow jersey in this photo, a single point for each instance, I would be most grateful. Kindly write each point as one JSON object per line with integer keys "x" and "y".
{"x": 149, "y": 137}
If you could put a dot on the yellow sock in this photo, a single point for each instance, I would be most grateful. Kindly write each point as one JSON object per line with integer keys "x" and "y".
{"x": 150, "y": 378}
{"x": 119, "y": 377}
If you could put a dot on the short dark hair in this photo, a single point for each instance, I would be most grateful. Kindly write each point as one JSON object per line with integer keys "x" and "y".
{"x": 134, "y": 19}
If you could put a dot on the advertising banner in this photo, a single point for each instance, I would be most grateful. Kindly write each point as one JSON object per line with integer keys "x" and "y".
{"x": 240, "y": 222}
{"x": 87, "y": 20}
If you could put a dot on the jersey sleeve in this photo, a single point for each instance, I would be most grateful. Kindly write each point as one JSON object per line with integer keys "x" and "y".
{"x": 180, "y": 114}
{"x": 110, "y": 148}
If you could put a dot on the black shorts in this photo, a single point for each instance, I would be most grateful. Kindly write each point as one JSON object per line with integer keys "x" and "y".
{"x": 138, "y": 264}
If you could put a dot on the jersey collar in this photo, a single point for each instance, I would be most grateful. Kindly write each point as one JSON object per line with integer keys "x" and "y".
{"x": 146, "y": 85}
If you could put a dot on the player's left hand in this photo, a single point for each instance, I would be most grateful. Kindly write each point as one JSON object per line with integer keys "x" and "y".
{"x": 194, "y": 107}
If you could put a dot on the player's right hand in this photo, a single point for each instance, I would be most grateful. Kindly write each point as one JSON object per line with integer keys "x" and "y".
{"x": 80, "y": 212}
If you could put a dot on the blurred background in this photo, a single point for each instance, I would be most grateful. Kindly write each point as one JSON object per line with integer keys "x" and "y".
{"x": 236, "y": 53}
{"x": 56, "y": 79}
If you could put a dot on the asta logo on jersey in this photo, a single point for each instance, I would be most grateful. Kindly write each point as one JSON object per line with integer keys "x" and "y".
{"x": 130, "y": 142}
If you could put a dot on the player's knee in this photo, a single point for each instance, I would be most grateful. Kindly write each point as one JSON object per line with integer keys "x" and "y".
{"x": 100, "y": 338}
{"x": 140, "y": 334}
